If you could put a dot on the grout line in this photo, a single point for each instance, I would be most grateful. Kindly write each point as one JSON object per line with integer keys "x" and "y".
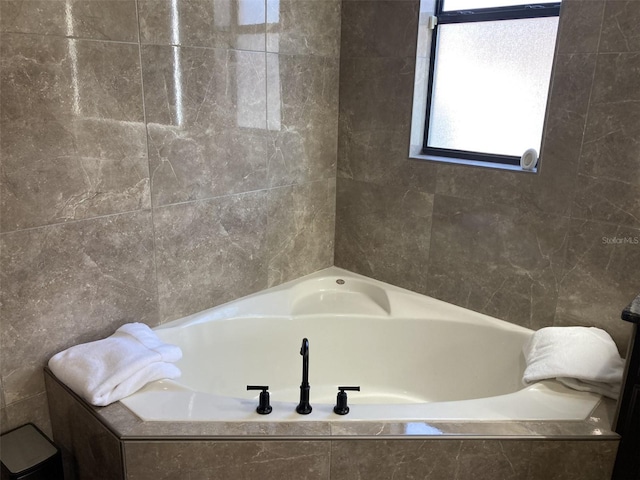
{"x": 151, "y": 196}
{"x": 589, "y": 112}
{"x": 71, "y": 222}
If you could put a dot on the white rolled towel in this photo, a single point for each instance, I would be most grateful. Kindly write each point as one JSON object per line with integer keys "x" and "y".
{"x": 107, "y": 370}
{"x": 583, "y": 358}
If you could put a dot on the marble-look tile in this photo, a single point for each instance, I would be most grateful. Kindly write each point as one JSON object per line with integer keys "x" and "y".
{"x": 579, "y": 28}
{"x": 206, "y": 114}
{"x": 53, "y": 78}
{"x": 616, "y": 78}
{"x": 472, "y": 459}
{"x": 496, "y": 259}
{"x": 55, "y": 172}
{"x": 210, "y": 252}
{"x": 60, "y": 402}
{"x": 301, "y": 230}
{"x": 609, "y": 200}
{"x": 73, "y": 143}
{"x": 379, "y": 29}
{"x": 212, "y": 460}
{"x": 376, "y": 94}
{"x": 304, "y": 27}
{"x": 260, "y": 430}
{"x": 95, "y": 19}
{"x": 237, "y": 24}
{"x": 572, "y": 460}
{"x": 4, "y": 420}
{"x": 609, "y": 180}
{"x": 69, "y": 284}
{"x": 381, "y": 158}
{"x": 393, "y": 459}
{"x": 600, "y": 276}
{"x": 429, "y": 429}
{"x": 450, "y": 459}
{"x": 384, "y": 232}
{"x": 302, "y": 118}
{"x": 89, "y": 449}
{"x": 620, "y": 27}
{"x": 551, "y": 190}
{"x": 32, "y": 409}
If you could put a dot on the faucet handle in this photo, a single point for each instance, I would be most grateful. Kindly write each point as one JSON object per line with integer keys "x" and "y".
{"x": 341, "y": 407}
{"x": 263, "y": 406}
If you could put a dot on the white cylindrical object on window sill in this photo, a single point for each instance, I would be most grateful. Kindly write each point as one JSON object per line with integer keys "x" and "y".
{"x": 529, "y": 159}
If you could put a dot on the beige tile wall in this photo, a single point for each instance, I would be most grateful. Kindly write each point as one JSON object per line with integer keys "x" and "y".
{"x": 531, "y": 249}
{"x": 158, "y": 157}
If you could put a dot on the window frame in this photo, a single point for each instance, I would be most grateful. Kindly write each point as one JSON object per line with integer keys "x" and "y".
{"x": 512, "y": 12}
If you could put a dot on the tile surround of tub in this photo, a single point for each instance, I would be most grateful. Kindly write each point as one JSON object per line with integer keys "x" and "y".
{"x": 89, "y": 449}
{"x": 599, "y": 275}
{"x": 267, "y": 460}
{"x": 302, "y": 118}
{"x": 586, "y": 173}
{"x": 376, "y": 94}
{"x": 475, "y": 261}
{"x": 620, "y": 28}
{"x": 73, "y": 146}
{"x": 304, "y": 27}
{"x": 379, "y": 29}
{"x": 609, "y": 175}
{"x": 580, "y": 26}
{"x": 75, "y": 127}
{"x": 384, "y": 222}
{"x": 210, "y": 252}
{"x": 238, "y": 24}
{"x": 301, "y": 229}
{"x": 479, "y": 460}
{"x": 71, "y": 283}
{"x": 206, "y": 122}
{"x": 94, "y": 19}
{"x": 32, "y": 409}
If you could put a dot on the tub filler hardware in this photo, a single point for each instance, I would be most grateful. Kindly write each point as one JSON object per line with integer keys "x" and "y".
{"x": 263, "y": 404}
{"x": 341, "y": 407}
{"x": 304, "y": 408}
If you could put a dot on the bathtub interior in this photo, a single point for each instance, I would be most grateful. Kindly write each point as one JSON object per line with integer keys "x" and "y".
{"x": 422, "y": 355}
{"x": 395, "y": 360}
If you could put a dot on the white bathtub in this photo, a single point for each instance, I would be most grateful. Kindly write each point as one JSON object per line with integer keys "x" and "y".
{"x": 414, "y": 357}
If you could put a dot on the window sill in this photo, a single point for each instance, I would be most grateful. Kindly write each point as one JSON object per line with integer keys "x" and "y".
{"x": 416, "y": 155}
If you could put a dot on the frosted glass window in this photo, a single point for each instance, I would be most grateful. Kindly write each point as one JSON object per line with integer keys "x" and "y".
{"x": 452, "y": 5}
{"x": 490, "y": 85}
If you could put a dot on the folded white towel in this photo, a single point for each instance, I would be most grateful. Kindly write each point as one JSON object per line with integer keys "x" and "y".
{"x": 107, "y": 370}
{"x": 584, "y": 358}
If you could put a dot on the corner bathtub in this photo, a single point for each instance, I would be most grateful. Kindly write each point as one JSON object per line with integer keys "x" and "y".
{"x": 414, "y": 357}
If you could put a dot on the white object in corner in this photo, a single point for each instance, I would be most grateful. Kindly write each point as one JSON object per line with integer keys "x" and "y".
{"x": 529, "y": 159}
